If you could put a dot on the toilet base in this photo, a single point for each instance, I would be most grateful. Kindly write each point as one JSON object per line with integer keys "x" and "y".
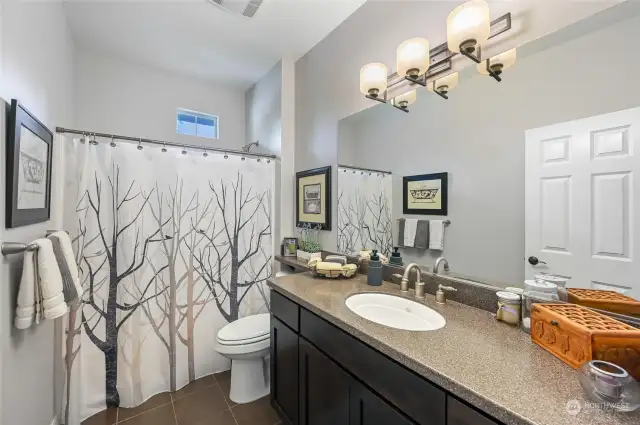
{"x": 249, "y": 379}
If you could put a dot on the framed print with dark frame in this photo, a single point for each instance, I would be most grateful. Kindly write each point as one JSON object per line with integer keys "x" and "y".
{"x": 290, "y": 247}
{"x": 29, "y": 155}
{"x": 313, "y": 197}
{"x": 425, "y": 194}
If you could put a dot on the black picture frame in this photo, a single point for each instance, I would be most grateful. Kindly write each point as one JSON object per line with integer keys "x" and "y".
{"x": 443, "y": 177}
{"x": 17, "y": 118}
{"x": 325, "y": 206}
{"x": 285, "y": 242}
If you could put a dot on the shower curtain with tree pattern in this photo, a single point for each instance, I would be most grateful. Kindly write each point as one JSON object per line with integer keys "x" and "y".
{"x": 364, "y": 211}
{"x": 171, "y": 246}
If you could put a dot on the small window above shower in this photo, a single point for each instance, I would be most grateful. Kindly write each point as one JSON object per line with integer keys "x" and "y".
{"x": 198, "y": 124}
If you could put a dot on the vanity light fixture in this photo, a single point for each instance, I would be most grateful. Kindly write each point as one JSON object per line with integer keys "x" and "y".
{"x": 373, "y": 81}
{"x": 496, "y": 65}
{"x": 412, "y": 58}
{"x": 468, "y": 28}
{"x": 403, "y": 101}
{"x": 442, "y": 86}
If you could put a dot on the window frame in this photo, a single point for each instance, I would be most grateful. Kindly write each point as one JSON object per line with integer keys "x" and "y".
{"x": 196, "y": 115}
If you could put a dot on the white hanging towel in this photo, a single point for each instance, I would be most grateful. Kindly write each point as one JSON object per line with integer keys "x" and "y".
{"x": 410, "y": 226}
{"x": 40, "y": 293}
{"x": 29, "y": 307}
{"x": 436, "y": 234}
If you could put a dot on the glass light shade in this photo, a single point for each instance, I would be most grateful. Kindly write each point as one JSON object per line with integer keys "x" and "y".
{"x": 504, "y": 59}
{"x": 408, "y": 97}
{"x": 373, "y": 78}
{"x": 445, "y": 83}
{"x": 412, "y": 57}
{"x": 468, "y": 22}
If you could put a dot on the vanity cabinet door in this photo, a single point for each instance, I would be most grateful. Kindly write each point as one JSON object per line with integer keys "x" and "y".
{"x": 324, "y": 389}
{"x": 284, "y": 371}
{"x": 366, "y": 408}
{"x": 459, "y": 413}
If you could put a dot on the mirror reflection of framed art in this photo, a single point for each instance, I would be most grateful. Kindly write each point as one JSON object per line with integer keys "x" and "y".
{"x": 313, "y": 198}
{"x": 29, "y": 155}
{"x": 425, "y": 194}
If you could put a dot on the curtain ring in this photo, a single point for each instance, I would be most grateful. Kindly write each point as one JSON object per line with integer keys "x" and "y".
{"x": 94, "y": 141}
{"x": 205, "y": 154}
{"x": 112, "y": 144}
{"x": 226, "y": 156}
{"x": 82, "y": 139}
{"x": 184, "y": 150}
{"x": 140, "y": 144}
{"x": 164, "y": 147}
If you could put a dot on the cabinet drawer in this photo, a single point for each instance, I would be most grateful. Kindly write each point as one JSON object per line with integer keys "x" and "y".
{"x": 285, "y": 310}
{"x": 408, "y": 392}
{"x": 459, "y": 413}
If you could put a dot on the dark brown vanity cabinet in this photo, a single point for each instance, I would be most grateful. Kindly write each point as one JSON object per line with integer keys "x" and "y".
{"x": 284, "y": 371}
{"x": 365, "y": 408}
{"x": 324, "y": 388}
{"x": 321, "y": 375}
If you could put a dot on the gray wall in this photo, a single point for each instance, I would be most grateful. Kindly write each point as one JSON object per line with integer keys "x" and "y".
{"x": 264, "y": 124}
{"x": 477, "y": 136}
{"x": 36, "y": 68}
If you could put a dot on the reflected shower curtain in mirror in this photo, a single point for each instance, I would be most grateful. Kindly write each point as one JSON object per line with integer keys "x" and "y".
{"x": 170, "y": 248}
{"x": 364, "y": 211}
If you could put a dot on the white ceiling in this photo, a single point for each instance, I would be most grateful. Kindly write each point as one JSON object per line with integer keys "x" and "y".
{"x": 196, "y": 38}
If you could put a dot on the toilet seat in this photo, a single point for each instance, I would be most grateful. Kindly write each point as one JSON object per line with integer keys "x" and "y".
{"x": 246, "y": 331}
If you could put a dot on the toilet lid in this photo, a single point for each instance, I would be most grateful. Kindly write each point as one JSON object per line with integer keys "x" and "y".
{"x": 247, "y": 329}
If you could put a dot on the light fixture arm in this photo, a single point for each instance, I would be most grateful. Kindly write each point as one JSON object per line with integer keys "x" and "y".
{"x": 477, "y": 58}
{"x": 492, "y": 72}
{"x": 438, "y": 92}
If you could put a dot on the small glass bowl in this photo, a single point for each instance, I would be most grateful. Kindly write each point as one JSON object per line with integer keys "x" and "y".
{"x": 608, "y": 383}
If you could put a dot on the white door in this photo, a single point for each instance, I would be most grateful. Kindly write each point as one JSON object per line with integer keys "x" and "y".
{"x": 582, "y": 201}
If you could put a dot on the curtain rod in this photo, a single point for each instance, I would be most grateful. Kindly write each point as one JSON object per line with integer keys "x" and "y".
{"x": 165, "y": 143}
{"x": 364, "y": 169}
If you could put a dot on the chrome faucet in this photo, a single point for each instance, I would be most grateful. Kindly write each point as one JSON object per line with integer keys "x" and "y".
{"x": 437, "y": 265}
{"x": 419, "y": 285}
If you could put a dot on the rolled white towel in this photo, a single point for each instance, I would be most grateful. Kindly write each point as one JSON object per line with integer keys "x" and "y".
{"x": 49, "y": 280}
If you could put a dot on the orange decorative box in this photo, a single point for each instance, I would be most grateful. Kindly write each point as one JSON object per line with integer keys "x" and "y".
{"x": 604, "y": 300}
{"x": 576, "y": 335}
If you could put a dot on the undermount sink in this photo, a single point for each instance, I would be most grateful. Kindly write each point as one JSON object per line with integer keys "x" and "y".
{"x": 395, "y": 312}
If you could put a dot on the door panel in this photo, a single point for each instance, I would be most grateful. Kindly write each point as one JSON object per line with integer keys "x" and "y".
{"x": 284, "y": 370}
{"x": 324, "y": 389}
{"x": 582, "y": 201}
{"x": 368, "y": 409}
{"x": 459, "y": 413}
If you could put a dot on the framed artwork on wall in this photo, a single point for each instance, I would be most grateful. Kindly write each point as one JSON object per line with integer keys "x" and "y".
{"x": 29, "y": 155}
{"x": 425, "y": 194}
{"x": 313, "y": 198}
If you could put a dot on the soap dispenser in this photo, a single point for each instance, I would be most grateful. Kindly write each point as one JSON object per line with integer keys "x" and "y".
{"x": 374, "y": 274}
{"x": 396, "y": 258}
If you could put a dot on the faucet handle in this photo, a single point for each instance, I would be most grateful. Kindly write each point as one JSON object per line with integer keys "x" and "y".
{"x": 447, "y": 288}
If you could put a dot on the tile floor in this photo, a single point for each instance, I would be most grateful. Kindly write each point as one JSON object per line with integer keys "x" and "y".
{"x": 202, "y": 402}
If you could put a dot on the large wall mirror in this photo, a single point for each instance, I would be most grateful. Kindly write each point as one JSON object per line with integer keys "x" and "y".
{"x": 542, "y": 168}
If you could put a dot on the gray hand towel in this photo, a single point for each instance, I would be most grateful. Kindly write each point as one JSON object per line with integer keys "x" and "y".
{"x": 68, "y": 286}
{"x": 422, "y": 235}
{"x": 401, "y": 232}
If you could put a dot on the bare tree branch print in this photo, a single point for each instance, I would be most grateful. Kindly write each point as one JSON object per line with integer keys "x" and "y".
{"x": 364, "y": 217}
{"x": 108, "y": 210}
{"x": 233, "y": 249}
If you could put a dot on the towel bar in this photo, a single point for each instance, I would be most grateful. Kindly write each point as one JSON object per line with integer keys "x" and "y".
{"x": 446, "y": 222}
{"x": 8, "y": 248}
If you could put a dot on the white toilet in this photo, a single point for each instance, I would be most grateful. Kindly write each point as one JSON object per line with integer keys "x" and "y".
{"x": 246, "y": 342}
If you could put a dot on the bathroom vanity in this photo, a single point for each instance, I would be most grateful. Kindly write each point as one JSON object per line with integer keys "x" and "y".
{"x": 330, "y": 366}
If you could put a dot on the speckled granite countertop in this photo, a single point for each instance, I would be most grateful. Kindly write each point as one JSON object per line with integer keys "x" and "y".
{"x": 487, "y": 363}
